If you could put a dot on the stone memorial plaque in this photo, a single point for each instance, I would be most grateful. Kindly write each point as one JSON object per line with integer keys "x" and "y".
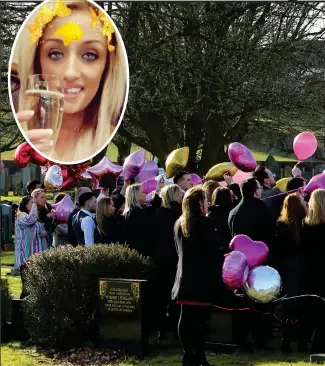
{"x": 122, "y": 322}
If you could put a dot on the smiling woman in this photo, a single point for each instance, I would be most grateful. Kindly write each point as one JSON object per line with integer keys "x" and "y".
{"x": 73, "y": 75}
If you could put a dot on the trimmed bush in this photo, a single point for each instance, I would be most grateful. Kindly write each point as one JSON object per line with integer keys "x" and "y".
{"x": 62, "y": 283}
{"x": 5, "y": 301}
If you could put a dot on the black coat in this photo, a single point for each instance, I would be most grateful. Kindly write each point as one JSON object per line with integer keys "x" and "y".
{"x": 250, "y": 217}
{"x": 139, "y": 227}
{"x": 200, "y": 261}
{"x": 220, "y": 215}
{"x": 274, "y": 205}
{"x": 287, "y": 259}
{"x": 165, "y": 255}
{"x": 313, "y": 259}
{"x": 114, "y": 231}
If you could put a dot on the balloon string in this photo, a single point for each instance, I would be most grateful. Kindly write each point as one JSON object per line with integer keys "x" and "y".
{"x": 281, "y": 194}
{"x": 297, "y": 297}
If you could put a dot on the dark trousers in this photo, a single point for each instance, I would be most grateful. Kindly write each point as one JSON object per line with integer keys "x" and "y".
{"x": 192, "y": 331}
{"x": 23, "y": 281}
{"x": 249, "y": 320}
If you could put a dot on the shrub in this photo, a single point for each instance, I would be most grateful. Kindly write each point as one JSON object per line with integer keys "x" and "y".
{"x": 62, "y": 283}
{"x": 5, "y": 301}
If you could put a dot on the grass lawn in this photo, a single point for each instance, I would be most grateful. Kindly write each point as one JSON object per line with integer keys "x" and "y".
{"x": 13, "y": 354}
{"x": 7, "y": 258}
{"x": 14, "y": 282}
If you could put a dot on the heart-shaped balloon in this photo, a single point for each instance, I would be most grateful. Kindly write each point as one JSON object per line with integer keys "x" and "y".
{"x": 149, "y": 171}
{"x": 23, "y": 154}
{"x": 133, "y": 164}
{"x": 62, "y": 209}
{"x": 235, "y": 270}
{"x": 241, "y": 157}
{"x": 195, "y": 179}
{"x": 218, "y": 171}
{"x": 317, "y": 181}
{"x": 256, "y": 252}
{"x": 263, "y": 284}
{"x": 149, "y": 186}
{"x": 53, "y": 179}
{"x": 177, "y": 161}
{"x": 36, "y": 158}
{"x": 240, "y": 177}
{"x": 304, "y": 145}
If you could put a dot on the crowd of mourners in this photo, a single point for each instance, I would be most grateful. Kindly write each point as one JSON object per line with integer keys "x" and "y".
{"x": 186, "y": 231}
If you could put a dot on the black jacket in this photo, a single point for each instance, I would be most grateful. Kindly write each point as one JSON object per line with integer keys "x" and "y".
{"x": 219, "y": 216}
{"x": 251, "y": 218}
{"x": 200, "y": 261}
{"x": 139, "y": 227}
{"x": 76, "y": 225}
{"x": 113, "y": 230}
{"x": 313, "y": 259}
{"x": 71, "y": 234}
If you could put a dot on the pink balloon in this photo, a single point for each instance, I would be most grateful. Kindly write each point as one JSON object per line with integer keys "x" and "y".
{"x": 317, "y": 181}
{"x": 223, "y": 184}
{"x": 256, "y": 252}
{"x": 149, "y": 186}
{"x": 133, "y": 164}
{"x": 149, "y": 171}
{"x": 240, "y": 177}
{"x": 105, "y": 166}
{"x": 241, "y": 157}
{"x": 102, "y": 170}
{"x": 196, "y": 180}
{"x": 235, "y": 270}
{"x": 62, "y": 209}
{"x": 304, "y": 145}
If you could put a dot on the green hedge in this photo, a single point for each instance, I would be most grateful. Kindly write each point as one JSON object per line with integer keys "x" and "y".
{"x": 5, "y": 301}
{"x": 62, "y": 283}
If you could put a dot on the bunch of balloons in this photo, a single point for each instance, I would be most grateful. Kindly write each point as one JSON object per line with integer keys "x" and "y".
{"x": 243, "y": 268}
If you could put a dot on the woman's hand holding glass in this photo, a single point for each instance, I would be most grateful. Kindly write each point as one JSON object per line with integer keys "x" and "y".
{"x": 40, "y": 138}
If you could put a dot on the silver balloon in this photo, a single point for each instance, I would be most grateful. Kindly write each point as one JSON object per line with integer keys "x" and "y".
{"x": 53, "y": 179}
{"x": 263, "y": 284}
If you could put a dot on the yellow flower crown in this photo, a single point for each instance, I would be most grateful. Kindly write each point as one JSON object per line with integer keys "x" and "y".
{"x": 70, "y": 31}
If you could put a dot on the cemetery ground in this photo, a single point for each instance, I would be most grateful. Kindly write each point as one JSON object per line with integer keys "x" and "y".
{"x": 16, "y": 353}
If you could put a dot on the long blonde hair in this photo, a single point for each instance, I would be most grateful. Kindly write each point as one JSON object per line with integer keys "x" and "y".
{"x": 102, "y": 212}
{"x": 131, "y": 197}
{"x": 170, "y": 193}
{"x": 191, "y": 209}
{"x": 316, "y": 208}
{"x": 113, "y": 93}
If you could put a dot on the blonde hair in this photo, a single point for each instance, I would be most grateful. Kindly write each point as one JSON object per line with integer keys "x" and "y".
{"x": 114, "y": 87}
{"x": 209, "y": 187}
{"x": 131, "y": 197}
{"x": 316, "y": 208}
{"x": 38, "y": 191}
{"x": 191, "y": 209}
{"x": 102, "y": 211}
{"x": 170, "y": 194}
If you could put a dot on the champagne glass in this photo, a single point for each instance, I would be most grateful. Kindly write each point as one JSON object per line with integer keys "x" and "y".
{"x": 45, "y": 96}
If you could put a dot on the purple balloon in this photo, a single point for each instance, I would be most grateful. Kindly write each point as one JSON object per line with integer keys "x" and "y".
{"x": 85, "y": 176}
{"x": 195, "y": 179}
{"x": 235, "y": 270}
{"x": 241, "y": 157}
{"x": 149, "y": 171}
{"x": 149, "y": 186}
{"x": 62, "y": 209}
{"x": 256, "y": 252}
{"x": 317, "y": 181}
{"x": 133, "y": 164}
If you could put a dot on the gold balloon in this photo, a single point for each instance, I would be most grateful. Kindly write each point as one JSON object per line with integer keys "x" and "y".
{"x": 176, "y": 161}
{"x": 218, "y": 171}
{"x": 282, "y": 184}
